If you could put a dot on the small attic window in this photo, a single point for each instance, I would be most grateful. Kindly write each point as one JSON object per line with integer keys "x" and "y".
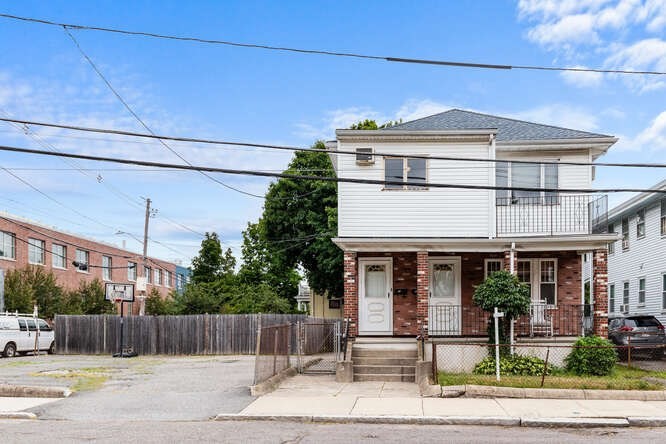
{"x": 364, "y": 156}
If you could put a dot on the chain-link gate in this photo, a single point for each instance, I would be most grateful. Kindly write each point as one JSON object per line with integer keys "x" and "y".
{"x": 318, "y": 346}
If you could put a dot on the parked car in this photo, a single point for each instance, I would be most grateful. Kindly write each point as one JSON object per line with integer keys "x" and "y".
{"x": 18, "y": 333}
{"x": 643, "y": 331}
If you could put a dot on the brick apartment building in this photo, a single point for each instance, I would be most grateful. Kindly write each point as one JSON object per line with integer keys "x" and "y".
{"x": 24, "y": 242}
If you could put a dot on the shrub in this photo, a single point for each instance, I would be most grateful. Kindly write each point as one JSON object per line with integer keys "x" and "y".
{"x": 592, "y": 355}
{"x": 516, "y": 365}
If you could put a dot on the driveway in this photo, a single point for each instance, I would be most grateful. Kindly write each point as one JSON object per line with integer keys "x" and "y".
{"x": 145, "y": 387}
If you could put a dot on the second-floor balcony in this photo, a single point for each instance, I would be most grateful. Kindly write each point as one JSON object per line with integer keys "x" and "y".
{"x": 550, "y": 215}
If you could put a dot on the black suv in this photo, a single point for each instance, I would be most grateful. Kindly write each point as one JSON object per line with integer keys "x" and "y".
{"x": 643, "y": 331}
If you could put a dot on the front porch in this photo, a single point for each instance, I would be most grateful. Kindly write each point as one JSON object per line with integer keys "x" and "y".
{"x": 410, "y": 293}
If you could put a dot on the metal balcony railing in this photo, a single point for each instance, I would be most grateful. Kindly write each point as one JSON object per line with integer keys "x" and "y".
{"x": 549, "y": 215}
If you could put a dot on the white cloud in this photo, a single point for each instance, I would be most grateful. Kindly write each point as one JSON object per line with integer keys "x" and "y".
{"x": 654, "y": 136}
{"x": 569, "y": 30}
{"x": 644, "y": 55}
{"x": 582, "y": 79}
{"x": 415, "y": 109}
{"x": 560, "y": 115}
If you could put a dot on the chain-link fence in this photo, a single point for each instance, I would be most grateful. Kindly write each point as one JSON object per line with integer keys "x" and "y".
{"x": 318, "y": 346}
{"x": 638, "y": 364}
{"x": 274, "y": 349}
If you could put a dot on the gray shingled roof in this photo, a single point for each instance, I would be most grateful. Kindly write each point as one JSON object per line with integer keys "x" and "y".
{"x": 507, "y": 129}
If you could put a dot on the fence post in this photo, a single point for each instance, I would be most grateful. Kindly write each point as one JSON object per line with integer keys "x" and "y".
{"x": 545, "y": 366}
{"x": 275, "y": 349}
{"x": 434, "y": 362}
{"x": 258, "y": 350}
{"x": 629, "y": 350}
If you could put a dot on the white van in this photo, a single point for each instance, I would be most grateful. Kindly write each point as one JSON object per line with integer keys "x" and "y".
{"x": 18, "y": 333}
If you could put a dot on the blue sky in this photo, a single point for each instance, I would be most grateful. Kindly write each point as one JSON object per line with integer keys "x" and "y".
{"x": 261, "y": 96}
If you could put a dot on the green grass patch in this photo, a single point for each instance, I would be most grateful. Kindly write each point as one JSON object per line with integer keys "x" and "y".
{"x": 621, "y": 378}
{"x": 83, "y": 379}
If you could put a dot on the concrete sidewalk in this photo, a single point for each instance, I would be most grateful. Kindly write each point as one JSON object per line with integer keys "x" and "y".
{"x": 321, "y": 399}
{"x": 11, "y": 407}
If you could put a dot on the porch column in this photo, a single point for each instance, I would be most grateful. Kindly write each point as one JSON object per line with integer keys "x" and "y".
{"x": 351, "y": 291}
{"x": 600, "y": 289}
{"x": 507, "y": 261}
{"x": 422, "y": 284}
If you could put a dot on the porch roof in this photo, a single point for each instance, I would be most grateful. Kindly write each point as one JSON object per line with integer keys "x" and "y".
{"x": 475, "y": 245}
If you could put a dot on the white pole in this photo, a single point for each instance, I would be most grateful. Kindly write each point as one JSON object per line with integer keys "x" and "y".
{"x": 497, "y": 353}
{"x": 511, "y": 339}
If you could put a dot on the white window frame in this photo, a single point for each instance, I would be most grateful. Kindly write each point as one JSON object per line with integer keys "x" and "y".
{"x": 157, "y": 279}
{"x": 611, "y": 297}
{"x": 642, "y": 279}
{"x": 86, "y": 261}
{"x": 131, "y": 271}
{"x": 167, "y": 278}
{"x": 611, "y": 245}
{"x": 41, "y": 246}
{"x": 640, "y": 222}
{"x": 626, "y": 288}
{"x": 535, "y": 278}
{"x": 107, "y": 270}
{"x": 12, "y": 244}
{"x": 662, "y": 219}
{"x": 405, "y": 174}
{"x": 544, "y": 198}
{"x": 147, "y": 273}
{"x": 625, "y": 239}
{"x": 663, "y": 291}
{"x": 59, "y": 258}
{"x": 485, "y": 266}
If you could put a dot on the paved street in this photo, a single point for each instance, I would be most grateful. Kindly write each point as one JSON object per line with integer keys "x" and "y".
{"x": 16, "y": 431}
{"x": 156, "y": 388}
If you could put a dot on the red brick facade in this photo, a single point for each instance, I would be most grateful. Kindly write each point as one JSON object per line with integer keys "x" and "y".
{"x": 411, "y": 286}
{"x": 600, "y": 282}
{"x": 69, "y": 276}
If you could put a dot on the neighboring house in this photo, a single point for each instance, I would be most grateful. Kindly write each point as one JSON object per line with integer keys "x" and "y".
{"x": 182, "y": 277}
{"x": 413, "y": 254}
{"x": 317, "y": 305}
{"x": 637, "y": 262}
{"x": 23, "y": 242}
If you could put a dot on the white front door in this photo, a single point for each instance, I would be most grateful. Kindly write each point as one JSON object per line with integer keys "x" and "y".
{"x": 444, "y": 309}
{"x": 375, "y": 296}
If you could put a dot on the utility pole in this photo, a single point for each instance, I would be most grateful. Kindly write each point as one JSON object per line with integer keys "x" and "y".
{"x": 142, "y": 306}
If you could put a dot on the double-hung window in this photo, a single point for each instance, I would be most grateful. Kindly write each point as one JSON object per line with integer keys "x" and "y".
{"x": 611, "y": 298}
{"x": 131, "y": 271}
{"x": 7, "y": 245}
{"x": 82, "y": 257}
{"x": 146, "y": 273}
{"x": 548, "y": 284}
{"x": 625, "y": 233}
{"x": 107, "y": 269}
{"x": 58, "y": 256}
{"x": 663, "y": 291}
{"x": 527, "y": 175}
{"x": 411, "y": 171}
{"x": 540, "y": 276}
{"x": 611, "y": 245}
{"x": 36, "y": 249}
{"x": 641, "y": 291}
{"x": 640, "y": 223}
{"x": 158, "y": 276}
{"x": 167, "y": 278}
{"x": 625, "y": 296}
{"x": 663, "y": 217}
{"x": 492, "y": 266}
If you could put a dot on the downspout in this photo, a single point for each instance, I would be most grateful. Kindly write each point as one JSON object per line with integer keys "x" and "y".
{"x": 512, "y": 268}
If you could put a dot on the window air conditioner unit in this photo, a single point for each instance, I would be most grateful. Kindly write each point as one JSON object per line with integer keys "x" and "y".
{"x": 364, "y": 156}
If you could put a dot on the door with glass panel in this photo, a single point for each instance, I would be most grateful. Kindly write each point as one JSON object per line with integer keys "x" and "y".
{"x": 375, "y": 297}
{"x": 444, "y": 309}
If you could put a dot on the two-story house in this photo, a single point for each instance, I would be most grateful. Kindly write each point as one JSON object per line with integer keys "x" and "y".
{"x": 637, "y": 262}
{"x": 413, "y": 254}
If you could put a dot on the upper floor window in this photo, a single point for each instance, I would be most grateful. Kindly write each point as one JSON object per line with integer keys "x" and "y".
{"x": 36, "y": 249}
{"x": 82, "y": 257}
{"x": 107, "y": 270}
{"x": 611, "y": 298}
{"x": 405, "y": 170}
{"x": 640, "y": 223}
{"x": 641, "y": 291}
{"x": 158, "y": 276}
{"x": 663, "y": 291}
{"x": 663, "y": 217}
{"x": 492, "y": 266}
{"x": 527, "y": 175}
{"x": 146, "y": 273}
{"x": 611, "y": 245}
{"x": 625, "y": 233}
{"x": 7, "y": 245}
{"x": 59, "y": 256}
{"x": 131, "y": 271}
{"x": 167, "y": 278}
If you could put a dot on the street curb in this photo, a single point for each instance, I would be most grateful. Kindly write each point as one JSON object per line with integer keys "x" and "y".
{"x": 17, "y": 415}
{"x": 643, "y": 421}
{"x": 490, "y": 391}
{"x": 24, "y": 391}
{"x": 272, "y": 383}
{"x": 574, "y": 422}
{"x": 413, "y": 420}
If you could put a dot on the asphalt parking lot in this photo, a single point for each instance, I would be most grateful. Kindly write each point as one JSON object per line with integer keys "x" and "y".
{"x": 144, "y": 387}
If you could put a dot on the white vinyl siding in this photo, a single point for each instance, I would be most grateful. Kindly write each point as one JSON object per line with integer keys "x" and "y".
{"x": 58, "y": 256}
{"x": 645, "y": 259}
{"x": 36, "y": 249}
{"x": 7, "y": 245}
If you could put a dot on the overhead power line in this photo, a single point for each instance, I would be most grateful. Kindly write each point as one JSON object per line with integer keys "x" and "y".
{"x": 353, "y": 55}
{"x": 327, "y": 178}
{"x": 345, "y": 152}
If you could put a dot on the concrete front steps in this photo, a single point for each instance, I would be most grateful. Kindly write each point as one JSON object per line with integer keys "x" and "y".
{"x": 384, "y": 361}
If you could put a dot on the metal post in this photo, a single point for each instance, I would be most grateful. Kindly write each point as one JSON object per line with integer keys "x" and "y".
{"x": 275, "y": 349}
{"x": 496, "y": 315}
{"x": 545, "y": 366}
{"x": 257, "y": 350}
{"x": 629, "y": 350}
{"x": 120, "y": 352}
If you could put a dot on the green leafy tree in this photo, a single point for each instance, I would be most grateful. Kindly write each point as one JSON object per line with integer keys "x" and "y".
{"x": 260, "y": 298}
{"x": 504, "y": 291}
{"x": 157, "y": 305}
{"x": 89, "y": 298}
{"x": 210, "y": 263}
{"x": 31, "y": 286}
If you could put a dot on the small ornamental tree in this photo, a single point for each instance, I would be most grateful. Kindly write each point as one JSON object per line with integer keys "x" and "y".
{"x": 504, "y": 291}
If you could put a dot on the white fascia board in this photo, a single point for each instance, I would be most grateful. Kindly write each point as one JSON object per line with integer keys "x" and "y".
{"x": 474, "y": 135}
{"x": 639, "y": 200}
{"x": 598, "y": 144}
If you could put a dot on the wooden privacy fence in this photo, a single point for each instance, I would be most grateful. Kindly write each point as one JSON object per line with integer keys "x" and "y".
{"x": 167, "y": 335}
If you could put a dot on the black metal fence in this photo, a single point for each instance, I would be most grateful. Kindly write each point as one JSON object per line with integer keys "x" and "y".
{"x": 543, "y": 320}
{"x": 551, "y": 214}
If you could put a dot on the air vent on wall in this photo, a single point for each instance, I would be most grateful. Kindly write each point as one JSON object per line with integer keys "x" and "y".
{"x": 364, "y": 156}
